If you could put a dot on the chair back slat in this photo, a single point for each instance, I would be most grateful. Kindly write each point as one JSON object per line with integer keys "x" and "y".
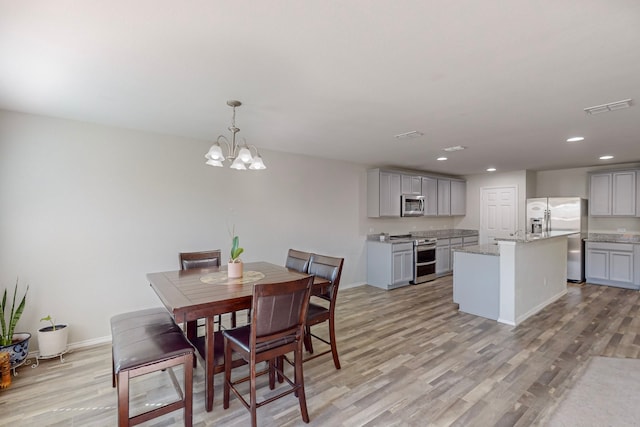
{"x": 329, "y": 268}
{"x": 280, "y": 309}
{"x": 298, "y": 260}
{"x": 202, "y": 259}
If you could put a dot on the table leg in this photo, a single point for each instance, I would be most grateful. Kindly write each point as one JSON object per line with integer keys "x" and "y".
{"x": 209, "y": 362}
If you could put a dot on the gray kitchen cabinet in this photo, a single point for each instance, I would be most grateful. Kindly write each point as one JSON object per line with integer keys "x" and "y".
{"x": 613, "y": 193}
{"x": 411, "y": 185}
{"x": 458, "y": 197}
{"x": 402, "y": 263}
{"x": 454, "y": 243}
{"x": 636, "y": 265}
{"x": 445, "y": 249}
{"x": 611, "y": 264}
{"x": 389, "y": 265}
{"x": 471, "y": 240}
{"x": 444, "y": 197}
{"x": 383, "y": 194}
{"x": 624, "y": 193}
{"x": 443, "y": 256}
{"x": 430, "y": 193}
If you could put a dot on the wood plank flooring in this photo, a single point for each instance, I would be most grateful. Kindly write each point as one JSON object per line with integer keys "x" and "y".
{"x": 409, "y": 358}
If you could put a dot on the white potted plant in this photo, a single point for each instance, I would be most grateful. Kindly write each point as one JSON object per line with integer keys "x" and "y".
{"x": 52, "y": 340}
{"x": 234, "y": 268}
{"x": 15, "y": 343}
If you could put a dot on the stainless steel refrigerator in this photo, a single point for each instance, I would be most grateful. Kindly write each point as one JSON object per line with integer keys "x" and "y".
{"x": 562, "y": 214}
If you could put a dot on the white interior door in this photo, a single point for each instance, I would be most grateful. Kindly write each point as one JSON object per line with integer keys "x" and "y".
{"x": 498, "y": 213}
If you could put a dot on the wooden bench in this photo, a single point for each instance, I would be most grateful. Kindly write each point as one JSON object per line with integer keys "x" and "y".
{"x": 148, "y": 341}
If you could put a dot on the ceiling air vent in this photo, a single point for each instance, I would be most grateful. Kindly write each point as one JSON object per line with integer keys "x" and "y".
{"x": 455, "y": 148}
{"x": 408, "y": 135}
{"x": 611, "y": 106}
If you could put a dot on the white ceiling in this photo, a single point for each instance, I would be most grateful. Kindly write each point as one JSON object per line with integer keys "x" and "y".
{"x": 339, "y": 78}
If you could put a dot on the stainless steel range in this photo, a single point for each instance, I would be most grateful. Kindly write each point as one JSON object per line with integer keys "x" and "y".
{"x": 424, "y": 260}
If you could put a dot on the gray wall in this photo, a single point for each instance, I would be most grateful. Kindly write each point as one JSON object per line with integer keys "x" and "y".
{"x": 88, "y": 210}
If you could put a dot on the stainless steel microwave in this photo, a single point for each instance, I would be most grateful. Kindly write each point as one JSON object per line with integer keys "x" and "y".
{"x": 412, "y": 205}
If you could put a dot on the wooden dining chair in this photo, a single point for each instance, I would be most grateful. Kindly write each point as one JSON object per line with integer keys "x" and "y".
{"x": 298, "y": 260}
{"x": 329, "y": 268}
{"x": 277, "y": 328}
{"x": 202, "y": 259}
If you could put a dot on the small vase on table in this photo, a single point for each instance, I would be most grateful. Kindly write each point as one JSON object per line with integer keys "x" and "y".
{"x": 234, "y": 270}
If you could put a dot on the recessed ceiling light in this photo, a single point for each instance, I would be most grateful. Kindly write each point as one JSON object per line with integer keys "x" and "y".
{"x": 575, "y": 139}
{"x": 455, "y": 148}
{"x": 607, "y": 157}
{"x": 491, "y": 169}
{"x": 611, "y": 106}
{"x": 407, "y": 135}
{"x": 441, "y": 158}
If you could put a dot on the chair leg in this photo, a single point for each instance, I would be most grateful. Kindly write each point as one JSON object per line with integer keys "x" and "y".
{"x": 113, "y": 370}
{"x": 332, "y": 340}
{"x": 192, "y": 334}
{"x": 272, "y": 373}
{"x": 299, "y": 380}
{"x": 227, "y": 375}
{"x": 188, "y": 390}
{"x": 253, "y": 395}
{"x": 123, "y": 398}
{"x": 280, "y": 364}
{"x": 307, "y": 339}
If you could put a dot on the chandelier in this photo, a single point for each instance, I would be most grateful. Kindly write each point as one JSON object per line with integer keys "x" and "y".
{"x": 239, "y": 154}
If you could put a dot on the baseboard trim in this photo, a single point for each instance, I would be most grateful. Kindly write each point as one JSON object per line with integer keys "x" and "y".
{"x": 80, "y": 344}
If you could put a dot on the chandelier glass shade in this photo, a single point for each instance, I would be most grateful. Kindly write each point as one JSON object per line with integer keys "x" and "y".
{"x": 238, "y": 154}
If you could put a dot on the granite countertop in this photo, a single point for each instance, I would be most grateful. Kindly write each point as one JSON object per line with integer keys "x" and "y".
{"x": 447, "y": 233}
{"x": 489, "y": 249}
{"x": 613, "y": 238}
{"x": 530, "y": 237}
{"x": 441, "y": 234}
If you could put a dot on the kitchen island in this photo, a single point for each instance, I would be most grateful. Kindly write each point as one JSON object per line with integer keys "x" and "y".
{"x": 513, "y": 279}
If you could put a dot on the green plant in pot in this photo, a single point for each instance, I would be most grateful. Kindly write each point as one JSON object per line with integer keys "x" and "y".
{"x": 16, "y": 343}
{"x": 234, "y": 268}
{"x": 52, "y": 340}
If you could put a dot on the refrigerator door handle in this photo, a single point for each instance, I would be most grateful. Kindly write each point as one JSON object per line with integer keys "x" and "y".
{"x": 547, "y": 220}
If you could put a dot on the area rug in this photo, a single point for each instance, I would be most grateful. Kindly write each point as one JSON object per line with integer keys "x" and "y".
{"x": 606, "y": 394}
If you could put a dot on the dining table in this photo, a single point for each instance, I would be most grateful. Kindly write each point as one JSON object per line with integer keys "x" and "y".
{"x": 205, "y": 293}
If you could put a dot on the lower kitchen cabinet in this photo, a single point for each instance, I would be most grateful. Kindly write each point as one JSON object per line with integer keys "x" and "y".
{"x": 612, "y": 264}
{"x": 443, "y": 256}
{"x": 389, "y": 265}
{"x": 445, "y": 249}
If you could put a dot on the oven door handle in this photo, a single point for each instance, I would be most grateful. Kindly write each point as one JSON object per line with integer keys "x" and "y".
{"x": 422, "y": 248}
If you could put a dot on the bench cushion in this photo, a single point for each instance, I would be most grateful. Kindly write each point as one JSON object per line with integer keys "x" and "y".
{"x": 144, "y": 337}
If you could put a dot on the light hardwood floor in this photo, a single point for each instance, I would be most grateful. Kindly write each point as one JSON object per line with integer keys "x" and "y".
{"x": 408, "y": 359}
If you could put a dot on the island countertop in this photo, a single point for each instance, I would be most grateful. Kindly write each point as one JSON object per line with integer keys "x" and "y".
{"x": 531, "y": 237}
{"x": 488, "y": 249}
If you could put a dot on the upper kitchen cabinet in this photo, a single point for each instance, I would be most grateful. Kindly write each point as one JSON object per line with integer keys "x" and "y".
{"x": 430, "y": 193}
{"x": 444, "y": 197}
{"x": 458, "y": 197}
{"x": 614, "y": 193}
{"x": 452, "y": 197}
{"x": 411, "y": 185}
{"x": 383, "y": 193}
